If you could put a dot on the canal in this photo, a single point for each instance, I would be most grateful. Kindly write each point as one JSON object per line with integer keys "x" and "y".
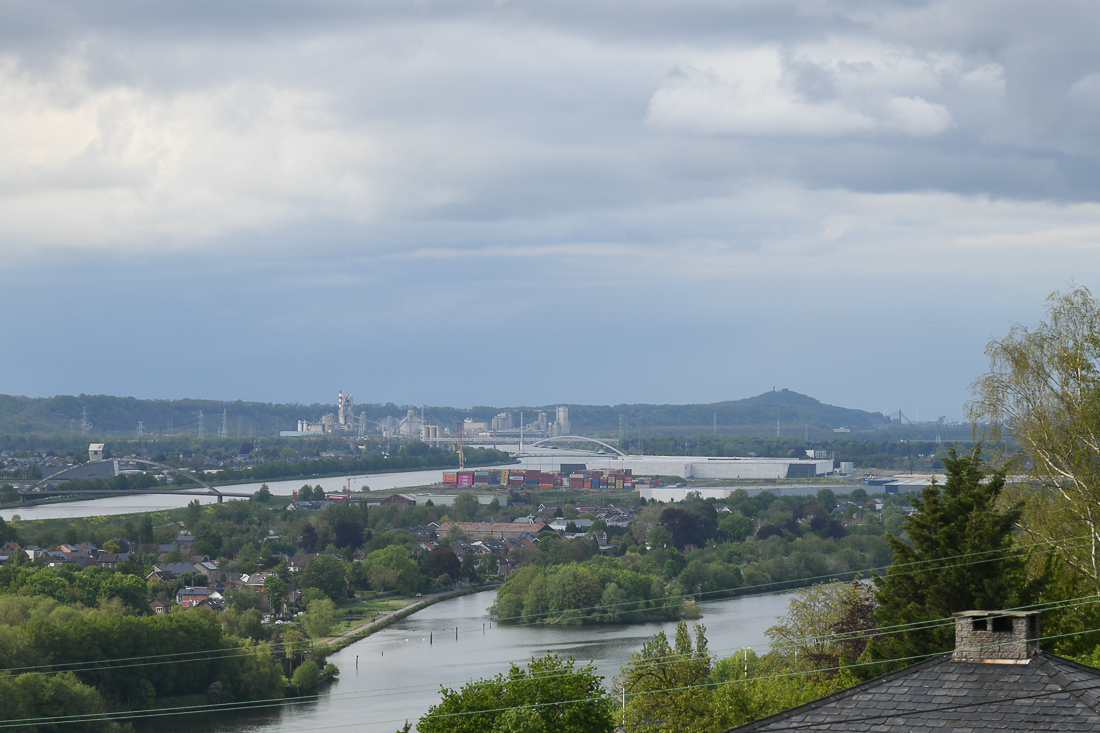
{"x": 399, "y": 671}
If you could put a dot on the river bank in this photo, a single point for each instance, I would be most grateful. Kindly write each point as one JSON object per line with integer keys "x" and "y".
{"x": 402, "y": 666}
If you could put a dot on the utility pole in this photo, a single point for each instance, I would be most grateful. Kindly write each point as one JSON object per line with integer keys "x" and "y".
{"x": 202, "y": 425}
{"x": 224, "y": 432}
{"x": 777, "y": 428}
{"x": 716, "y": 423}
{"x": 141, "y": 428}
{"x": 238, "y": 427}
{"x": 84, "y": 424}
{"x": 521, "y": 430}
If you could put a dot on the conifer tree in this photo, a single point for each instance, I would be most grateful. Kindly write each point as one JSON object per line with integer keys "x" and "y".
{"x": 959, "y": 557}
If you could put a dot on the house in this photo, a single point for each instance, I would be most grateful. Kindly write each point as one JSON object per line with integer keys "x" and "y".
{"x": 559, "y": 525}
{"x": 207, "y": 568}
{"x": 997, "y": 679}
{"x": 171, "y": 570}
{"x": 294, "y": 563}
{"x": 190, "y": 596}
{"x": 255, "y": 581}
{"x": 160, "y": 605}
{"x": 501, "y": 531}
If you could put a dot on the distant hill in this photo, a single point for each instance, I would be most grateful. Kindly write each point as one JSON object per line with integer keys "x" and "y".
{"x": 120, "y": 415}
{"x": 752, "y": 415}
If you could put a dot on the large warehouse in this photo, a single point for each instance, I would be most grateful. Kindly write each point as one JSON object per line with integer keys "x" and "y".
{"x": 694, "y": 467}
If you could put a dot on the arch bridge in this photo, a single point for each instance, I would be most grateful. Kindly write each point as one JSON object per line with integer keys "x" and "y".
{"x": 576, "y": 439}
{"x": 210, "y": 490}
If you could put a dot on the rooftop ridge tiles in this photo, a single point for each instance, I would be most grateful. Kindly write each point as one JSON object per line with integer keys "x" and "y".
{"x": 1043, "y": 669}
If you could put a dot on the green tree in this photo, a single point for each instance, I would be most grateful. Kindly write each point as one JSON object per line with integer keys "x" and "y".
{"x": 825, "y": 624}
{"x": 394, "y": 565}
{"x": 1040, "y": 405}
{"x": 306, "y": 676}
{"x": 275, "y": 591}
{"x": 320, "y": 618}
{"x": 194, "y": 513}
{"x": 735, "y": 528}
{"x": 565, "y": 699}
{"x": 46, "y": 696}
{"x": 826, "y": 498}
{"x": 326, "y": 573}
{"x": 936, "y": 575}
{"x": 466, "y": 506}
{"x": 679, "y": 674}
{"x": 263, "y": 495}
{"x": 145, "y": 534}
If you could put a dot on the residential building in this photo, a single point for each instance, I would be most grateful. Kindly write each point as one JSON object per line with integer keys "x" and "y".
{"x": 997, "y": 679}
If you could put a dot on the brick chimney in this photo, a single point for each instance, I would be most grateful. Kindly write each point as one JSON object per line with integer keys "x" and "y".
{"x": 996, "y": 637}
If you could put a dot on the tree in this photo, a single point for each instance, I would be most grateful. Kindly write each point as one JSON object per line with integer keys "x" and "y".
{"x": 1042, "y": 392}
{"x": 263, "y": 495}
{"x": 307, "y": 675}
{"x": 735, "y": 528}
{"x": 326, "y": 573}
{"x": 827, "y": 499}
{"x": 680, "y": 674}
{"x": 563, "y": 698}
{"x": 275, "y": 591}
{"x": 466, "y": 506}
{"x": 442, "y": 561}
{"x": 683, "y": 527}
{"x": 349, "y": 533}
{"x": 308, "y": 541}
{"x": 320, "y": 617}
{"x": 145, "y": 534}
{"x": 392, "y": 567}
{"x": 825, "y": 623}
{"x": 194, "y": 513}
{"x": 469, "y": 567}
{"x": 937, "y": 575}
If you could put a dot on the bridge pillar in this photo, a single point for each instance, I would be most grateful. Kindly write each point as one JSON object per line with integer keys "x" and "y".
{"x": 219, "y": 498}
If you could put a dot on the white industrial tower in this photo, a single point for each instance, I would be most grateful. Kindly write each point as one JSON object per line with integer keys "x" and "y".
{"x": 224, "y": 432}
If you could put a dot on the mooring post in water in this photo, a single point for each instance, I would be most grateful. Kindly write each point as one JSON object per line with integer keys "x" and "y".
{"x": 430, "y": 633}
{"x": 357, "y": 661}
{"x": 456, "y": 633}
{"x": 483, "y": 628}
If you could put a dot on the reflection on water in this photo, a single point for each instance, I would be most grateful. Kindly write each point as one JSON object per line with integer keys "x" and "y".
{"x": 401, "y": 668}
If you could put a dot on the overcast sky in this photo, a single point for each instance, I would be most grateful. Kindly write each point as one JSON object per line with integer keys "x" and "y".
{"x": 478, "y": 202}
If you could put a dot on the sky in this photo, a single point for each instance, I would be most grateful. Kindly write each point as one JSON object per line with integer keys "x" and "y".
{"x": 478, "y": 202}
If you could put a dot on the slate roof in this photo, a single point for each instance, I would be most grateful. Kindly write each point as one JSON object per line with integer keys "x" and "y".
{"x": 945, "y": 694}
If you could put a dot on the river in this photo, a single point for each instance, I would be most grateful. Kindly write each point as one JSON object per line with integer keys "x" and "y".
{"x": 399, "y": 672}
{"x": 545, "y": 461}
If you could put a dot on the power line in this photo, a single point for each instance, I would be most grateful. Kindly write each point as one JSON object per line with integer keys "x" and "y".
{"x": 270, "y": 702}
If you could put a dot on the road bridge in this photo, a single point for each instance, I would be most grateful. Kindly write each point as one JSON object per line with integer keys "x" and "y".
{"x": 574, "y": 439}
{"x": 205, "y": 488}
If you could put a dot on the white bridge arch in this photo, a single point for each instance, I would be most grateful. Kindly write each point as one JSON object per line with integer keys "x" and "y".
{"x": 576, "y": 439}
{"x": 183, "y": 471}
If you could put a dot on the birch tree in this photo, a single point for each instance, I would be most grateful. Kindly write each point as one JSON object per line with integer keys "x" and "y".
{"x": 1039, "y": 406}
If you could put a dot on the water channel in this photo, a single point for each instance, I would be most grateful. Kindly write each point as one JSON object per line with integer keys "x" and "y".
{"x": 546, "y": 461}
{"x": 399, "y": 672}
